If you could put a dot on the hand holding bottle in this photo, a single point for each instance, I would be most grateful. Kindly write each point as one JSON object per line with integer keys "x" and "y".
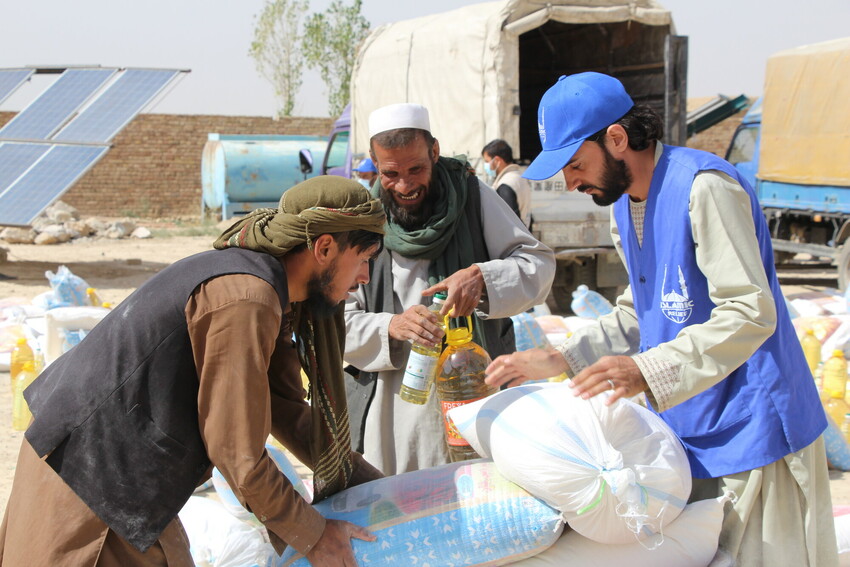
{"x": 417, "y": 324}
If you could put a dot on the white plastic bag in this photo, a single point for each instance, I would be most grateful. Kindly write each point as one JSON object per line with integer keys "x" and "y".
{"x": 689, "y": 541}
{"x": 218, "y": 539}
{"x": 616, "y": 473}
{"x": 68, "y": 289}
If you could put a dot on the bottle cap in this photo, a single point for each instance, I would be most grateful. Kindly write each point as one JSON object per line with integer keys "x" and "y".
{"x": 442, "y": 295}
{"x": 809, "y": 331}
{"x": 90, "y": 290}
{"x": 21, "y": 341}
{"x": 838, "y": 352}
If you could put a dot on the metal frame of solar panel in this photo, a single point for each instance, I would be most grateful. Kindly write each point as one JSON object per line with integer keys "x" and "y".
{"x": 11, "y": 80}
{"x": 33, "y": 174}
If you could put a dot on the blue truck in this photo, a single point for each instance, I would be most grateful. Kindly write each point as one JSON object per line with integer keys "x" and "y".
{"x": 793, "y": 145}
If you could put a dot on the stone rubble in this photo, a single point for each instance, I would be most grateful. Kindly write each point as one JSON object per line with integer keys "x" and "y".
{"x": 61, "y": 222}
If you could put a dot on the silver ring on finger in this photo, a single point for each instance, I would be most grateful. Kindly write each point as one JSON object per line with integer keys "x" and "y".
{"x": 611, "y": 382}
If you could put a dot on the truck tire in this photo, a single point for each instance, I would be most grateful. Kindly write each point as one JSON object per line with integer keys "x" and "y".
{"x": 568, "y": 275}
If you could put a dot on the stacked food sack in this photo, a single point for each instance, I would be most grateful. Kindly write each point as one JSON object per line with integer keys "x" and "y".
{"x": 617, "y": 474}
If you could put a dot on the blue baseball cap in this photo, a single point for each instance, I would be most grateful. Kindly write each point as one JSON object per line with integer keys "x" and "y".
{"x": 573, "y": 109}
{"x": 366, "y": 165}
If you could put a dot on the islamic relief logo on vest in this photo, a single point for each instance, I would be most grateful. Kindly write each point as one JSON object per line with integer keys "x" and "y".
{"x": 676, "y": 305}
{"x": 541, "y": 126}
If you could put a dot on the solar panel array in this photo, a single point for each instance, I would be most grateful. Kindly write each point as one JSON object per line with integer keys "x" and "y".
{"x": 50, "y": 144}
{"x": 11, "y": 79}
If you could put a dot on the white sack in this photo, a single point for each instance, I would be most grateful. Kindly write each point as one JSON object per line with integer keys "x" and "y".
{"x": 616, "y": 473}
{"x": 689, "y": 541}
{"x": 216, "y": 538}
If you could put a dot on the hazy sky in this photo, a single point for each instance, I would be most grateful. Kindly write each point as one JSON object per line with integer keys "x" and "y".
{"x": 729, "y": 43}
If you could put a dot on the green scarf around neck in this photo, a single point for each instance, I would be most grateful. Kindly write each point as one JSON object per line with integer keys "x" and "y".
{"x": 445, "y": 239}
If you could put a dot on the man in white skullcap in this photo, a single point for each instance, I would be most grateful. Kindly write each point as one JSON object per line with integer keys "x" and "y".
{"x": 446, "y": 232}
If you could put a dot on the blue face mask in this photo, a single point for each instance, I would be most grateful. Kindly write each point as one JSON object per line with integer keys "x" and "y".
{"x": 488, "y": 170}
{"x": 365, "y": 183}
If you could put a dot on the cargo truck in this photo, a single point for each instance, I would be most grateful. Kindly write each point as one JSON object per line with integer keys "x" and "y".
{"x": 793, "y": 145}
{"x": 481, "y": 71}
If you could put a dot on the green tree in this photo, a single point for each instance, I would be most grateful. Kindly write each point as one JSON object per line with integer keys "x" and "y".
{"x": 276, "y": 49}
{"x": 330, "y": 45}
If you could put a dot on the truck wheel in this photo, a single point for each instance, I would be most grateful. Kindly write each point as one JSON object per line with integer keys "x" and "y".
{"x": 843, "y": 266}
{"x": 568, "y": 276}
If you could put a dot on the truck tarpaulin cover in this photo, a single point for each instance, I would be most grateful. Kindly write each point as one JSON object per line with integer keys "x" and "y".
{"x": 805, "y": 134}
{"x": 472, "y": 53}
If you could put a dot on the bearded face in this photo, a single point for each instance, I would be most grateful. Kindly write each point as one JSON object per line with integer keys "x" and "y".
{"x": 319, "y": 302}
{"x": 616, "y": 179}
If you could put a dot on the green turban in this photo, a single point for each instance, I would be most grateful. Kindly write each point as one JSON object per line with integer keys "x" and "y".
{"x": 326, "y": 204}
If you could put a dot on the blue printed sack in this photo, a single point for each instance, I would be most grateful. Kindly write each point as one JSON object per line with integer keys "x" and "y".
{"x": 457, "y": 514}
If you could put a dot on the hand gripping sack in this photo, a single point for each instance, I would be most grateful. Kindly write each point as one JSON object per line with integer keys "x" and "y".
{"x": 616, "y": 473}
{"x": 460, "y": 514}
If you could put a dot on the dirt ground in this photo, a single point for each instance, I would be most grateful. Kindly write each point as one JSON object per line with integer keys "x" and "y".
{"x": 116, "y": 268}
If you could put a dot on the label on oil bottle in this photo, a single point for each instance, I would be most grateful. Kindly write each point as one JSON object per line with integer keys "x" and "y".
{"x": 419, "y": 368}
{"x": 453, "y": 437}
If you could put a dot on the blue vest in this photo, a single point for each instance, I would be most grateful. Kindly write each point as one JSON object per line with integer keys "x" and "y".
{"x": 769, "y": 406}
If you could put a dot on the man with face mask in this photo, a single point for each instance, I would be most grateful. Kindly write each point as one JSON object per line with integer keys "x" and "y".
{"x": 445, "y": 231}
{"x": 193, "y": 370}
{"x": 702, "y": 330}
{"x": 509, "y": 183}
{"x": 366, "y": 173}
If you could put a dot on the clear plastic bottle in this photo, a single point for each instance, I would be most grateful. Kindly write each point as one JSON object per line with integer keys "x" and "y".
{"x": 835, "y": 385}
{"x": 460, "y": 380}
{"x": 422, "y": 362}
{"x": 21, "y": 354}
{"x": 589, "y": 304}
{"x": 811, "y": 349}
{"x": 21, "y": 415}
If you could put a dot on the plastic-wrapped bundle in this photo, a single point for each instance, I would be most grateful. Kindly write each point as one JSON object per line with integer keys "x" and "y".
{"x": 528, "y": 332}
{"x": 457, "y": 514}
{"x": 617, "y": 473}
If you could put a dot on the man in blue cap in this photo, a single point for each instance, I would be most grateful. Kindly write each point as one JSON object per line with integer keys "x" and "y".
{"x": 366, "y": 173}
{"x": 702, "y": 329}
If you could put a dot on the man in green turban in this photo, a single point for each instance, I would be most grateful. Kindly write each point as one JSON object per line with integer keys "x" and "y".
{"x": 193, "y": 370}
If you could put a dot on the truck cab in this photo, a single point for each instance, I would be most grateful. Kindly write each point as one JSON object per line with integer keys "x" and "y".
{"x": 743, "y": 151}
{"x": 337, "y": 159}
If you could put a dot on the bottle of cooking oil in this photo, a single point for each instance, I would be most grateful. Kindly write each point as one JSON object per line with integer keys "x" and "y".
{"x": 835, "y": 385}
{"x": 422, "y": 362}
{"x": 460, "y": 380}
{"x": 21, "y": 354}
{"x": 811, "y": 349}
{"x": 93, "y": 297}
{"x": 21, "y": 415}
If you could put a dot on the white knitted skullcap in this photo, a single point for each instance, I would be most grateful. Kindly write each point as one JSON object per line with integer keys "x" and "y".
{"x": 394, "y": 116}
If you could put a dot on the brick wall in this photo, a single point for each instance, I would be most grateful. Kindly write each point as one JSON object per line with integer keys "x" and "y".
{"x": 154, "y": 166}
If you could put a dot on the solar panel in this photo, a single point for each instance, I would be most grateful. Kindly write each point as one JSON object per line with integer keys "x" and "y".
{"x": 116, "y": 106}
{"x": 11, "y": 79}
{"x": 56, "y": 105}
{"x": 51, "y": 176}
{"x": 15, "y": 159}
